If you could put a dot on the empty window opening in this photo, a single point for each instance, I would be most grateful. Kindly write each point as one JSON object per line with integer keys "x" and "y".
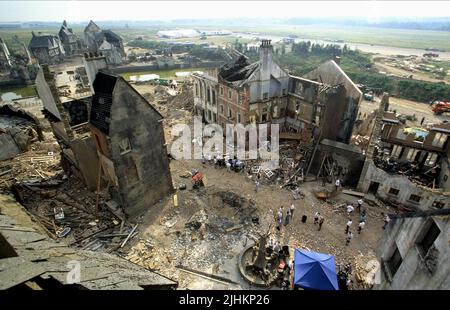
{"x": 394, "y": 262}
{"x": 430, "y": 235}
{"x": 415, "y": 198}
{"x": 393, "y": 191}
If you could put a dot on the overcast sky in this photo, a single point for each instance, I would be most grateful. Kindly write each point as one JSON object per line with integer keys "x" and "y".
{"x": 74, "y": 11}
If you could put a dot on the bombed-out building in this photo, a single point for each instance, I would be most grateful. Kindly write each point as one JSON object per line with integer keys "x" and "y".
{"x": 320, "y": 107}
{"x": 65, "y": 93}
{"x": 414, "y": 252}
{"x": 407, "y": 165}
{"x": 263, "y": 92}
{"x": 69, "y": 40}
{"x": 129, "y": 136}
{"x": 105, "y": 41}
{"x": 46, "y": 48}
{"x": 5, "y": 57}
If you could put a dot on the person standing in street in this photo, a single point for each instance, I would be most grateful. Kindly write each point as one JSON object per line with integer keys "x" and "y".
{"x": 321, "y": 220}
{"x": 349, "y": 224}
{"x": 337, "y": 184}
{"x": 316, "y": 217}
{"x": 288, "y": 215}
{"x": 350, "y": 209}
{"x": 360, "y": 203}
{"x": 257, "y": 184}
{"x": 362, "y": 216}
{"x": 386, "y": 221}
{"x": 361, "y": 226}
{"x": 292, "y": 208}
{"x": 348, "y": 238}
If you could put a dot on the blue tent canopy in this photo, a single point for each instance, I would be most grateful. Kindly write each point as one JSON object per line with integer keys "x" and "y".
{"x": 314, "y": 271}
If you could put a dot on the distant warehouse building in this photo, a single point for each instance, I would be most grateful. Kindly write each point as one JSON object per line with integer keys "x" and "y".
{"x": 178, "y": 33}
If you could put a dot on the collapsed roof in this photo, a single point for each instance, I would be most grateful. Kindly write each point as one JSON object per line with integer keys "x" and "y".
{"x": 46, "y": 263}
{"x": 239, "y": 71}
{"x": 44, "y": 41}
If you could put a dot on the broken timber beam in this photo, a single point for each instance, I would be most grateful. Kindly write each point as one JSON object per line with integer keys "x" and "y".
{"x": 129, "y": 235}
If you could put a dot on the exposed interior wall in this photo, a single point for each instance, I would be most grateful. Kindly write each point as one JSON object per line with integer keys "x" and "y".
{"x": 349, "y": 159}
{"x": 406, "y": 189}
{"x": 85, "y": 152}
{"x": 45, "y": 94}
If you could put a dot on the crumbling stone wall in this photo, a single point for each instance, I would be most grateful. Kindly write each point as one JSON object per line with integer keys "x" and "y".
{"x": 143, "y": 172}
{"x": 404, "y": 234}
{"x": 405, "y": 187}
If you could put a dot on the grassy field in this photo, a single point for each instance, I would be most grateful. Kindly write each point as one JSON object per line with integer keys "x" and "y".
{"x": 367, "y": 35}
{"x": 164, "y": 74}
{"x": 24, "y": 91}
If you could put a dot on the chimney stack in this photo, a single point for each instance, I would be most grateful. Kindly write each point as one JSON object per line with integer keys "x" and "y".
{"x": 337, "y": 60}
{"x": 93, "y": 63}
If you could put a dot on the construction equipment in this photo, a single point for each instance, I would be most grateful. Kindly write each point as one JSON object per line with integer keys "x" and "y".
{"x": 440, "y": 107}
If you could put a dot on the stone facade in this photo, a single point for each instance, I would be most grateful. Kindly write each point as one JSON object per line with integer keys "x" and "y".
{"x": 105, "y": 41}
{"x": 46, "y": 48}
{"x": 414, "y": 252}
{"x": 264, "y": 93}
{"x": 69, "y": 40}
{"x": 130, "y": 141}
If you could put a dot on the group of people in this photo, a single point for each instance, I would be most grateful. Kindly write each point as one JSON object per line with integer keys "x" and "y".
{"x": 362, "y": 220}
{"x": 219, "y": 161}
{"x": 278, "y": 260}
{"x": 287, "y": 218}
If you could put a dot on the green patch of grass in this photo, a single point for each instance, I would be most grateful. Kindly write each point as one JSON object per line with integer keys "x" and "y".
{"x": 164, "y": 74}
{"x": 24, "y": 91}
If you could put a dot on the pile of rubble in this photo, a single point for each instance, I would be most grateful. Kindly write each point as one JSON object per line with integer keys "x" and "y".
{"x": 361, "y": 141}
{"x": 65, "y": 208}
{"x": 366, "y": 269}
{"x": 183, "y": 100}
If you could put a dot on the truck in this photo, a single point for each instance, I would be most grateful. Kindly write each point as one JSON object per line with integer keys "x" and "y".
{"x": 440, "y": 107}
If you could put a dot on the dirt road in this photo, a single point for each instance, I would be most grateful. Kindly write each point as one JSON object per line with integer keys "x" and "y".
{"x": 400, "y": 72}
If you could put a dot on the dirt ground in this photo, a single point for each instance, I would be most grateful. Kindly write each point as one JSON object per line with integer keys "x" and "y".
{"x": 400, "y": 72}
{"x": 407, "y": 107}
{"x": 164, "y": 226}
{"x": 207, "y": 228}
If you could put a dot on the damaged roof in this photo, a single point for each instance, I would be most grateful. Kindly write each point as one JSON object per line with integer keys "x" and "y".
{"x": 104, "y": 85}
{"x": 40, "y": 258}
{"x": 44, "y": 41}
{"x": 238, "y": 72}
{"x": 444, "y": 127}
{"x": 390, "y": 117}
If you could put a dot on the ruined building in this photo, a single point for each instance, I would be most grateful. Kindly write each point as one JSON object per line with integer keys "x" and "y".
{"x": 46, "y": 48}
{"x": 5, "y": 57}
{"x": 65, "y": 93}
{"x": 29, "y": 259}
{"x": 413, "y": 252}
{"x": 318, "y": 110}
{"x": 105, "y": 41}
{"x": 114, "y": 137}
{"x": 263, "y": 92}
{"x": 129, "y": 136}
{"x": 407, "y": 165}
{"x": 69, "y": 40}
